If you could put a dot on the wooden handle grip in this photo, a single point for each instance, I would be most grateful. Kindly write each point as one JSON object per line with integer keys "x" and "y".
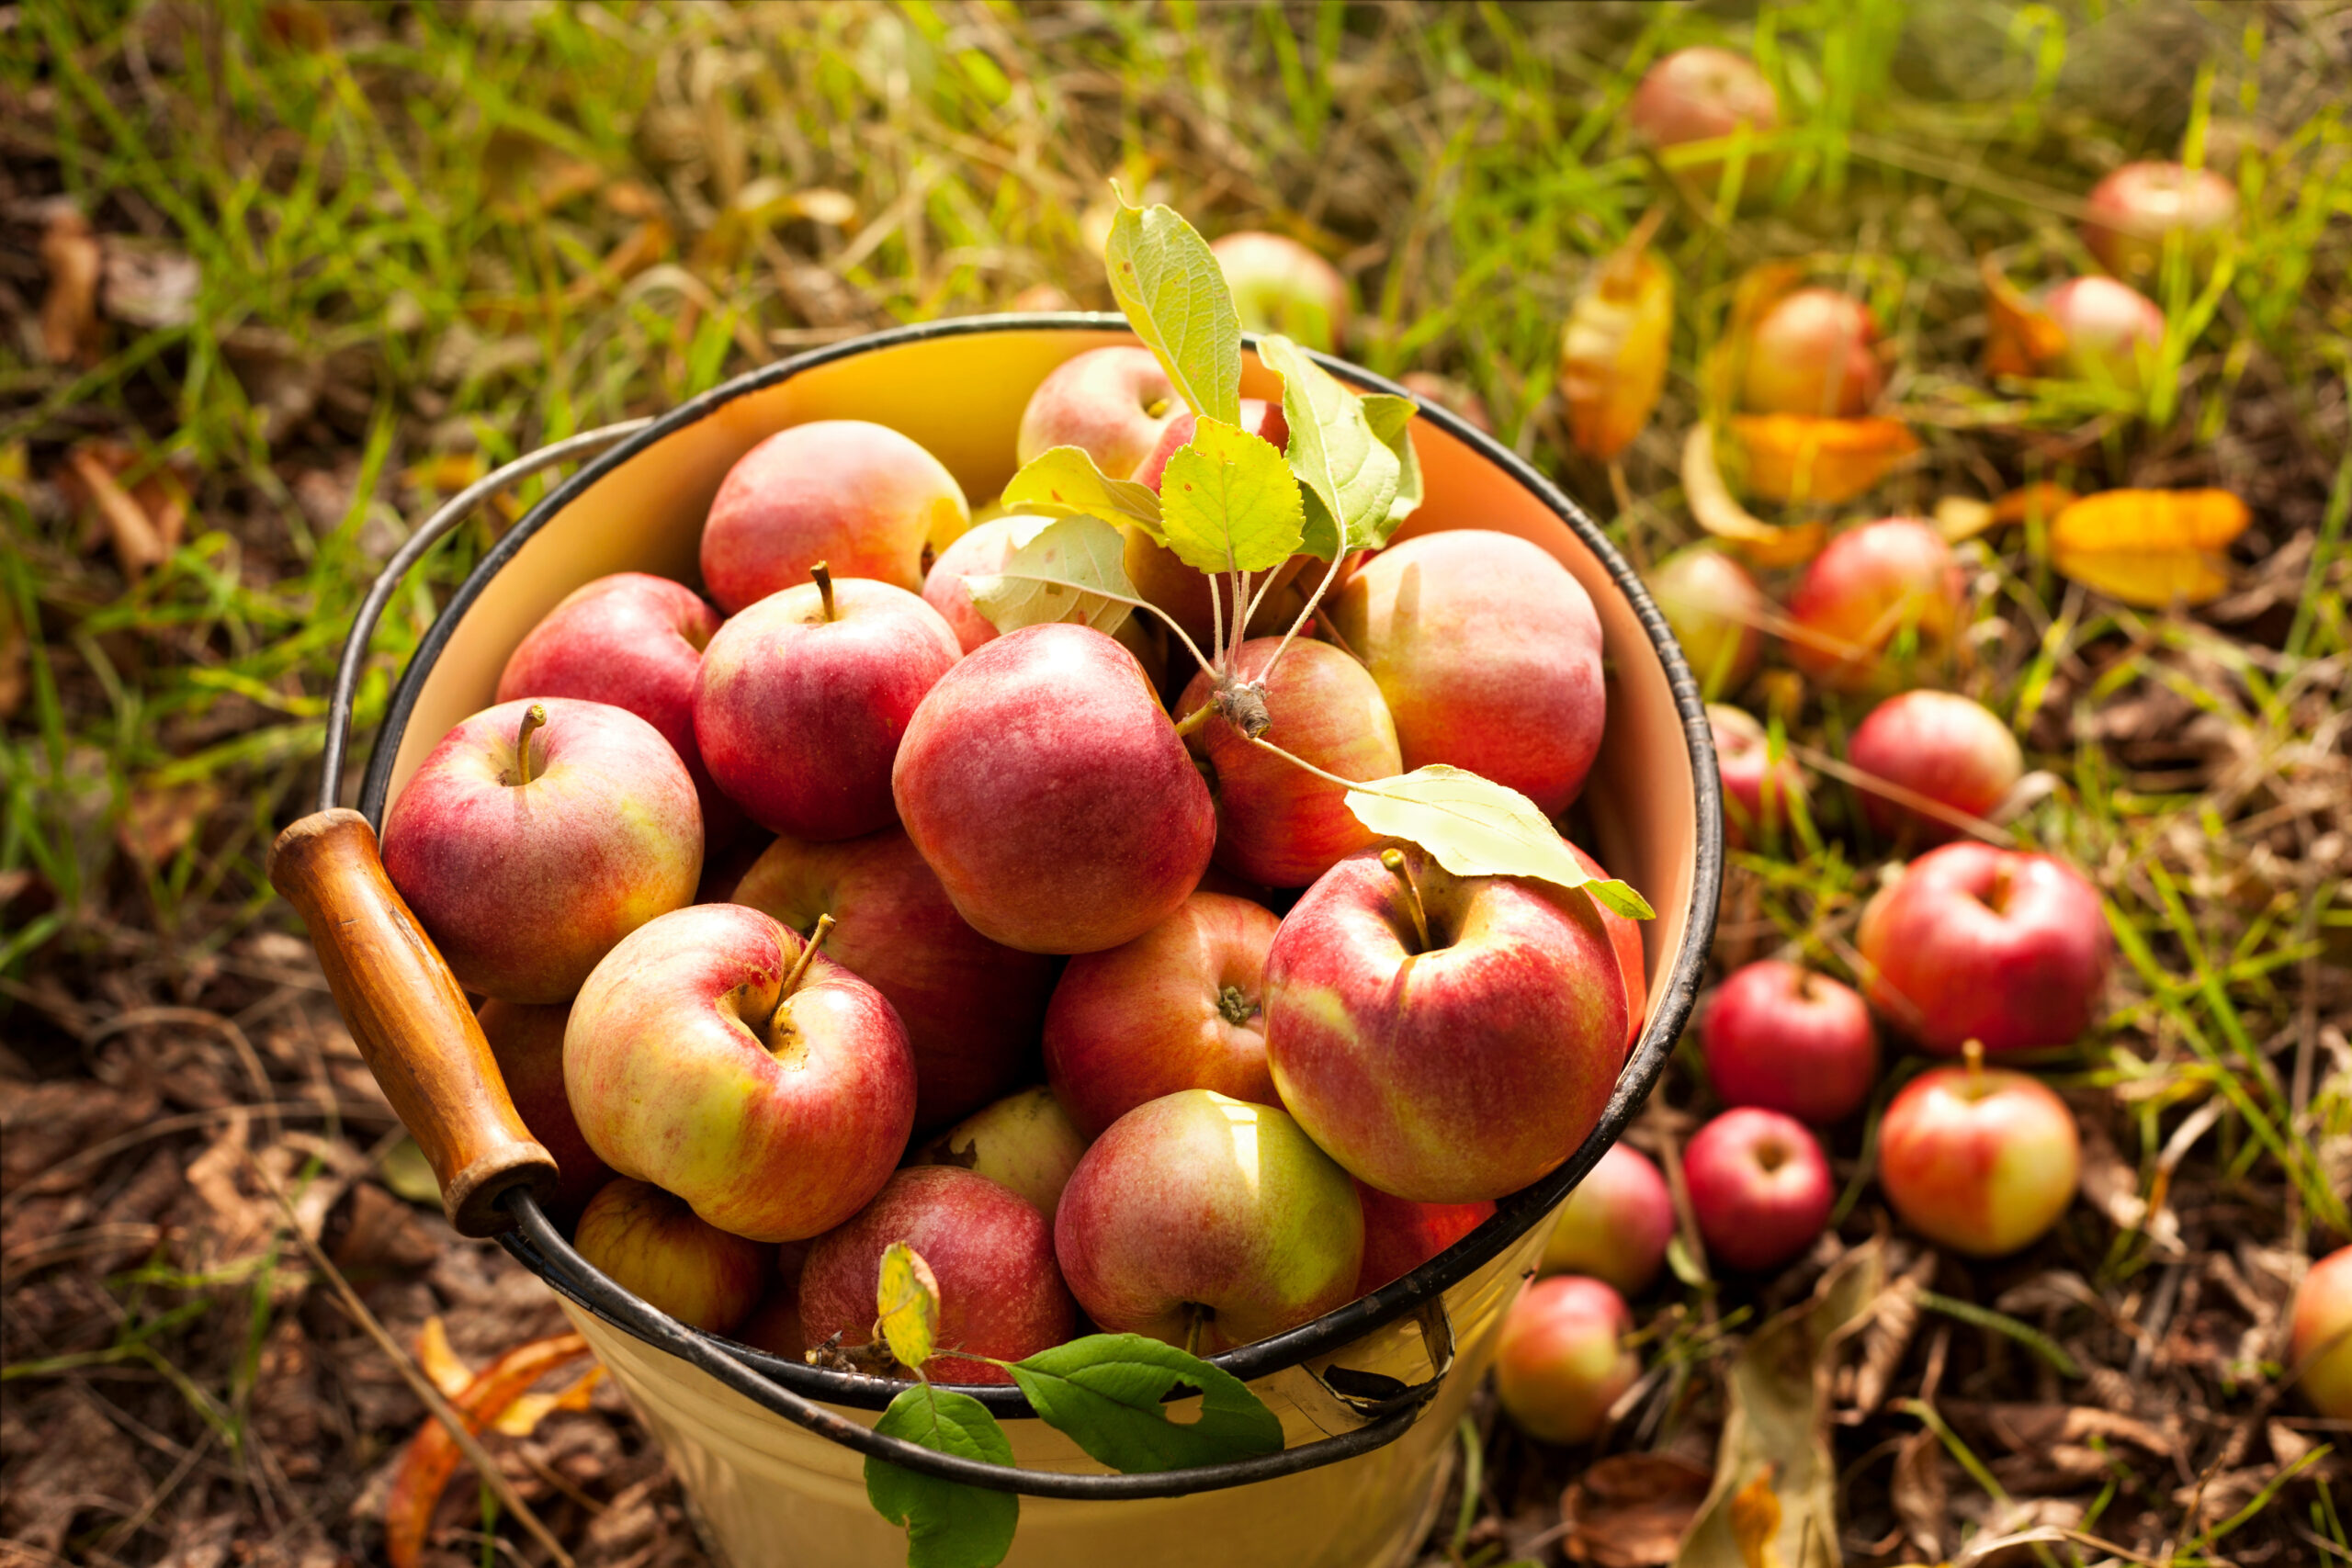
{"x": 410, "y": 1018}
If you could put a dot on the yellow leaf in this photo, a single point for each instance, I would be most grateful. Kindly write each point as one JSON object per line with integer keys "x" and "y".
{"x": 1961, "y": 517}
{"x": 521, "y": 1419}
{"x": 1612, "y": 352}
{"x": 1800, "y": 457}
{"x": 2154, "y": 549}
{"x": 1711, "y": 503}
{"x": 2019, "y": 339}
{"x": 439, "y": 1362}
{"x": 906, "y": 1304}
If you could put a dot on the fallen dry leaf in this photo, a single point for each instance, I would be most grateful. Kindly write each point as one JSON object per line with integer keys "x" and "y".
{"x": 1961, "y": 517}
{"x": 437, "y": 1362}
{"x": 2020, "y": 338}
{"x": 1756, "y": 1521}
{"x": 1712, "y": 504}
{"x": 1798, "y": 458}
{"x": 1917, "y": 1492}
{"x": 160, "y": 819}
{"x": 1612, "y": 352}
{"x": 433, "y": 1455}
{"x": 69, "y": 313}
{"x": 1632, "y": 1510}
{"x": 2038, "y": 502}
{"x": 2154, "y": 549}
{"x": 640, "y": 248}
{"x": 91, "y": 471}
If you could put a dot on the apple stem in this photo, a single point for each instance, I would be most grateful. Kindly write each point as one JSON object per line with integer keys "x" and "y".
{"x": 1195, "y": 719}
{"x": 1393, "y": 861}
{"x": 824, "y": 580}
{"x": 533, "y": 717}
{"x": 1972, "y": 1054}
{"x": 1196, "y": 1319}
{"x": 1307, "y": 611}
{"x": 800, "y": 964}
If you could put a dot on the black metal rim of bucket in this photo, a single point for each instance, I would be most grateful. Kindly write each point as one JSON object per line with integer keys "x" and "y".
{"x": 790, "y": 1388}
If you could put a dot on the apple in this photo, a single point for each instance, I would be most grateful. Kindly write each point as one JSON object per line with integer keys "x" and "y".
{"x": 652, "y": 1244}
{"x": 538, "y": 834}
{"x": 1561, "y": 1360}
{"x": 1879, "y": 599}
{"x": 1761, "y": 785}
{"x": 1161, "y": 579}
{"x": 1614, "y": 1224}
{"x": 718, "y": 1056}
{"x": 1111, "y": 403}
{"x": 1760, "y": 1187}
{"x": 1455, "y": 397}
{"x": 1025, "y": 1142}
{"x": 527, "y": 1044}
{"x": 1447, "y": 1039}
{"x": 773, "y": 1326}
{"x": 992, "y": 1253}
{"x": 1974, "y": 942}
{"x": 2129, "y": 211}
{"x": 860, "y": 497}
{"x": 1279, "y": 286}
{"x": 1208, "y": 1223}
{"x": 1702, "y": 95}
{"x": 971, "y": 1007}
{"x": 1791, "y": 1040}
{"x": 979, "y": 553}
{"x": 1181, "y": 1007}
{"x": 803, "y": 698}
{"x": 1982, "y": 1160}
{"x": 1043, "y": 784}
{"x": 1938, "y": 745}
{"x": 2320, "y": 1342}
{"x": 1400, "y": 1236}
{"x": 1488, "y": 653}
{"x": 1278, "y": 824}
{"x": 1813, "y": 351}
{"x": 1625, "y": 941}
{"x": 2114, "y": 330}
{"x": 1716, "y": 613}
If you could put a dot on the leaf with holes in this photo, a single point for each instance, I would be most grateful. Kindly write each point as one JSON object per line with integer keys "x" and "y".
{"x": 1353, "y": 475}
{"x": 1477, "y": 827}
{"x": 1108, "y": 1391}
{"x": 949, "y": 1525}
{"x": 1228, "y": 502}
{"x": 1061, "y": 568}
{"x": 1064, "y": 482}
{"x": 906, "y": 1305}
{"x": 1176, "y": 299}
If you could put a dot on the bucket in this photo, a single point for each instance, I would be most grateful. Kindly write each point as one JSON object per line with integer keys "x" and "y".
{"x": 771, "y": 1452}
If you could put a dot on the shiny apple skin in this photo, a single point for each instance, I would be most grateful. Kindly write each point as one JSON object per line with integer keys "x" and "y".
{"x": 1760, "y": 1187}
{"x": 2323, "y": 1314}
{"x": 1561, "y": 1360}
{"x": 1279, "y": 286}
{"x": 1858, "y": 596}
{"x": 1813, "y": 351}
{"x": 1760, "y": 790}
{"x": 1716, "y": 610}
{"x": 1025, "y": 1142}
{"x": 2114, "y": 330}
{"x": 1615, "y": 1225}
{"x": 1792, "y": 1040}
{"x": 1982, "y": 1162}
{"x": 1939, "y": 745}
{"x": 1400, "y": 1236}
{"x": 1699, "y": 95}
{"x": 1103, "y": 403}
{"x": 2023, "y": 971}
{"x": 2129, "y": 211}
{"x": 527, "y": 1044}
{"x": 652, "y": 1244}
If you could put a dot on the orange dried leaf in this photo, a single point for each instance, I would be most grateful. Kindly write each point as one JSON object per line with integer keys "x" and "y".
{"x": 438, "y": 1361}
{"x": 433, "y": 1455}
{"x": 1612, "y": 352}
{"x": 1711, "y": 503}
{"x": 138, "y": 544}
{"x": 2154, "y": 549}
{"x": 1801, "y": 457}
{"x": 522, "y": 1417}
{"x": 2041, "y": 499}
{"x": 2019, "y": 339}
{"x": 1755, "y": 1521}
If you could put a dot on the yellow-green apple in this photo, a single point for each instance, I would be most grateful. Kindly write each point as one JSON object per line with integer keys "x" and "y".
{"x": 1813, "y": 351}
{"x": 1878, "y": 601}
{"x": 1625, "y": 941}
{"x": 1455, "y": 397}
{"x": 2130, "y": 212}
{"x": 990, "y": 1252}
{"x": 2112, "y": 329}
{"x": 1026, "y": 1142}
{"x": 1563, "y": 1359}
{"x": 714, "y": 1054}
{"x": 1760, "y": 1187}
{"x": 1184, "y": 594}
{"x": 536, "y": 836}
{"x": 1938, "y": 745}
{"x": 1279, "y": 286}
{"x": 1761, "y": 784}
{"x": 1400, "y": 1236}
{"x": 971, "y": 1007}
{"x": 1716, "y": 612}
{"x": 1974, "y": 942}
{"x": 1488, "y": 653}
{"x": 1044, "y": 785}
{"x": 1111, "y": 403}
{"x": 1980, "y": 1159}
{"x": 2320, "y": 1345}
{"x": 1208, "y": 1223}
{"x": 1181, "y": 1007}
{"x": 1790, "y": 1039}
{"x": 654, "y": 1245}
{"x": 1703, "y": 94}
{"x": 1615, "y": 1224}
{"x": 803, "y": 698}
{"x": 527, "y": 1044}
{"x": 860, "y": 497}
{"x": 1448, "y": 1039}
{"x": 1277, "y": 824}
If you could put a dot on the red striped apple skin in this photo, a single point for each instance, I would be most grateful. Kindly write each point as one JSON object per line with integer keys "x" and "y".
{"x": 774, "y": 1131}
{"x": 652, "y": 1244}
{"x": 1870, "y": 586}
{"x": 1399, "y": 1235}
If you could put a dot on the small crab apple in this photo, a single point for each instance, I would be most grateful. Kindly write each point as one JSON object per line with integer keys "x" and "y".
{"x": 1879, "y": 600}
{"x": 1941, "y": 746}
{"x": 1979, "y": 1159}
{"x": 1791, "y": 1040}
{"x": 1279, "y": 286}
{"x": 1615, "y": 1225}
{"x": 2129, "y": 213}
{"x": 1703, "y": 94}
{"x": 1716, "y": 613}
{"x": 1762, "y": 784}
{"x": 1562, "y": 1360}
{"x": 1760, "y": 1187}
{"x": 1813, "y": 352}
{"x": 1111, "y": 403}
{"x": 653, "y": 1245}
{"x": 2113, "y": 332}
{"x": 2322, "y": 1336}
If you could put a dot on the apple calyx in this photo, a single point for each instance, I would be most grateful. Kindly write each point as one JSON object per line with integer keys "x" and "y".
{"x": 533, "y": 717}
{"x": 824, "y": 578}
{"x": 1234, "y": 1007}
{"x": 1393, "y": 861}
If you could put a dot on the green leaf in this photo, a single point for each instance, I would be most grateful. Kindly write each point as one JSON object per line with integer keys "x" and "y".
{"x": 1477, "y": 827}
{"x": 1081, "y": 550}
{"x": 1228, "y": 502}
{"x": 1391, "y": 419}
{"x": 949, "y": 1525}
{"x": 1107, "y": 1392}
{"x": 1350, "y": 471}
{"x": 1176, "y": 299}
{"x": 1064, "y": 482}
{"x": 906, "y": 1305}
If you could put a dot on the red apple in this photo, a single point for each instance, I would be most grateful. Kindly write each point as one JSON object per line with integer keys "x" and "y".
{"x": 1001, "y": 1293}
{"x": 1761, "y": 785}
{"x": 773, "y": 1095}
{"x": 1207, "y": 1222}
{"x": 860, "y": 497}
{"x": 652, "y": 1244}
{"x": 979, "y": 553}
{"x": 1455, "y": 397}
{"x": 1760, "y": 1187}
{"x": 1716, "y": 612}
{"x": 1813, "y": 352}
{"x": 1880, "y": 599}
{"x": 1614, "y": 1225}
{"x": 1044, "y": 785}
{"x": 1161, "y": 578}
{"x": 1980, "y": 1159}
{"x": 775, "y": 1324}
{"x": 1703, "y": 94}
{"x": 2114, "y": 330}
{"x": 1181, "y": 1007}
{"x": 1488, "y": 653}
{"x": 2320, "y": 1343}
{"x": 803, "y": 698}
{"x": 1279, "y": 286}
{"x": 527, "y": 1044}
{"x": 1787, "y": 1039}
{"x": 526, "y": 869}
{"x": 1111, "y": 403}
{"x": 1974, "y": 943}
{"x": 1400, "y": 1236}
{"x": 1938, "y": 745}
{"x": 1561, "y": 1360}
{"x": 1625, "y": 941}
{"x": 1448, "y": 1041}
{"x": 2130, "y": 210}
{"x": 1025, "y": 1142}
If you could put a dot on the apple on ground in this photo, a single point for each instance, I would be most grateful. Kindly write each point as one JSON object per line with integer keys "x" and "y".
{"x": 1447, "y": 1039}
{"x": 1983, "y": 1160}
{"x": 2320, "y": 1346}
{"x": 1762, "y": 786}
{"x": 716, "y": 1055}
{"x": 1162, "y": 579}
{"x": 992, "y": 1253}
{"x": 1615, "y": 1225}
{"x": 1044, "y": 785}
{"x": 1792, "y": 1040}
{"x": 1399, "y": 1235}
{"x": 1878, "y": 600}
{"x": 652, "y": 1244}
{"x": 1704, "y": 95}
{"x": 1561, "y": 1360}
{"x": 1813, "y": 351}
{"x": 526, "y": 1041}
{"x": 1025, "y": 1142}
{"x": 1455, "y": 397}
{"x": 860, "y": 497}
{"x": 1625, "y": 941}
{"x": 1974, "y": 942}
{"x": 1760, "y": 1187}
{"x": 1938, "y": 745}
{"x": 2113, "y": 332}
{"x": 1279, "y": 286}
{"x": 1111, "y": 403}
{"x": 971, "y": 1007}
{"x": 1716, "y": 612}
{"x": 1488, "y": 653}
{"x": 1208, "y": 1223}
{"x": 2129, "y": 213}
{"x": 538, "y": 834}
